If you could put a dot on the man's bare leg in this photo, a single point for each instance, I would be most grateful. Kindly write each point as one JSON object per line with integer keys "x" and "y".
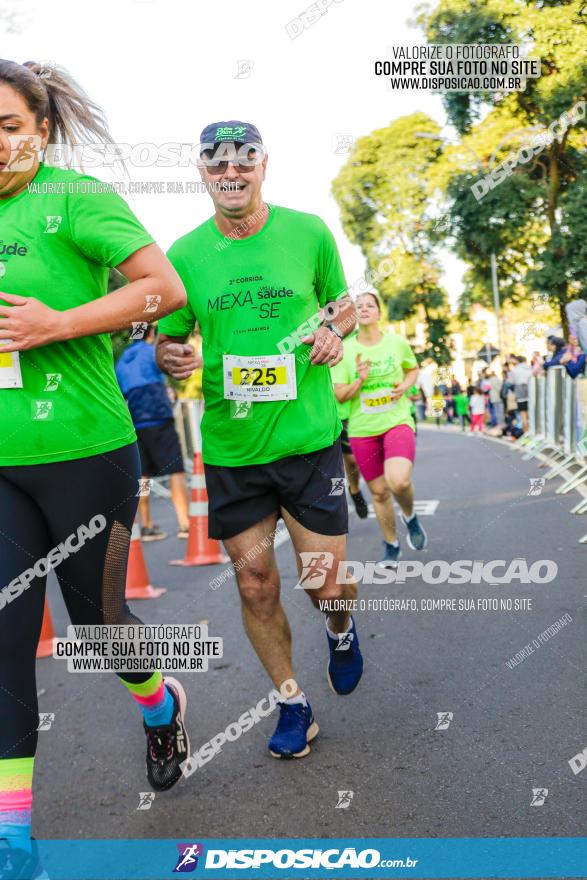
{"x": 259, "y": 586}
{"x": 318, "y": 558}
{"x": 179, "y": 497}
{"x": 145, "y": 512}
{"x": 524, "y": 417}
{"x": 326, "y": 548}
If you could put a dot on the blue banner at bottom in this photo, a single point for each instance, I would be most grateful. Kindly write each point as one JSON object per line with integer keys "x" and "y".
{"x": 305, "y": 858}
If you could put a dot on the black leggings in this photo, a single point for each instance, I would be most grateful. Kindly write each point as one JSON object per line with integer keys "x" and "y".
{"x": 41, "y": 506}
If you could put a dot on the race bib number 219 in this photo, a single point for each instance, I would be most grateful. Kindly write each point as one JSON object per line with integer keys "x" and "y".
{"x": 377, "y": 401}
{"x": 268, "y": 377}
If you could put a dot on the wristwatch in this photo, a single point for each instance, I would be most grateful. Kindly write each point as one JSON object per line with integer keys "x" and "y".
{"x": 334, "y": 329}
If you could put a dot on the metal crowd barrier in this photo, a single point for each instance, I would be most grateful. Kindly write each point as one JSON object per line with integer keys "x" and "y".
{"x": 532, "y": 420}
{"x": 557, "y": 429}
{"x": 536, "y": 436}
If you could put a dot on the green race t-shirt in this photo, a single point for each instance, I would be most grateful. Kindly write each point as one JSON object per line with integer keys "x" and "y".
{"x": 372, "y": 413}
{"x": 58, "y": 238}
{"x": 343, "y": 409}
{"x": 253, "y": 297}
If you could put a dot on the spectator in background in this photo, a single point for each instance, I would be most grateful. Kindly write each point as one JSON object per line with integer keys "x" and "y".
{"x": 495, "y": 401}
{"x": 477, "y": 404}
{"x": 483, "y": 381}
{"x": 555, "y": 345}
{"x": 513, "y": 426}
{"x": 436, "y": 404}
{"x": 519, "y": 378}
{"x": 420, "y": 404}
{"x": 461, "y": 402}
{"x": 537, "y": 363}
{"x": 145, "y": 390}
{"x": 449, "y": 406}
{"x": 573, "y": 358}
{"x": 577, "y": 317}
{"x": 484, "y": 385}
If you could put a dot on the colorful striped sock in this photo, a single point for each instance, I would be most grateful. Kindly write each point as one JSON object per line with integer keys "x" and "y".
{"x": 154, "y": 700}
{"x": 16, "y": 800}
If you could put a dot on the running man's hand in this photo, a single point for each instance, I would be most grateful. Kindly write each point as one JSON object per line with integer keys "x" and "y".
{"x": 179, "y": 360}
{"x": 363, "y": 368}
{"x": 27, "y": 322}
{"x": 326, "y": 347}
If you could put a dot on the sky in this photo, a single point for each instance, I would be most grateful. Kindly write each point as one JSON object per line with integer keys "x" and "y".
{"x": 162, "y": 69}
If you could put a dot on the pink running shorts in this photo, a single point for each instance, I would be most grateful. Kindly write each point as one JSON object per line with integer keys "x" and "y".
{"x": 371, "y": 452}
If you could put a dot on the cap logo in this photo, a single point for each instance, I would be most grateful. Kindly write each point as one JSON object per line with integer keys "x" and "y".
{"x": 229, "y": 131}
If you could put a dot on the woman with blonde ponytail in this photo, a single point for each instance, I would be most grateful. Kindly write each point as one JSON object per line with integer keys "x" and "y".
{"x": 69, "y": 466}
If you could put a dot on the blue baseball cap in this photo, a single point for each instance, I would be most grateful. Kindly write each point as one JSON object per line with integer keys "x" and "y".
{"x": 232, "y": 131}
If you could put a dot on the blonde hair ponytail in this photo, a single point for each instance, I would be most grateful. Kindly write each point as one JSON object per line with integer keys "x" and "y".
{"x": 51, "y": 92}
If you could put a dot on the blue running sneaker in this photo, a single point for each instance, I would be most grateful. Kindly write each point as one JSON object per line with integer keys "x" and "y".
{"x": 295, "y": 730}
{"x": 417, "y": 537}
{"x": 391, "y": 555}
{"x": 18, "y": 863}
{"x": 345, "y": 666}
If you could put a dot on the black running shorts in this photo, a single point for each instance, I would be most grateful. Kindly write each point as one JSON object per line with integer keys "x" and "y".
{"x": 344, "y": 438}
{"x": 310, "y": 487}
{"x": 160, "y": 450}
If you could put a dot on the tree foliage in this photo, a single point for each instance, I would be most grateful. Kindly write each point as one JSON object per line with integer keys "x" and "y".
{"x": 383, "y": 192}
{"x": 533, "y": 219}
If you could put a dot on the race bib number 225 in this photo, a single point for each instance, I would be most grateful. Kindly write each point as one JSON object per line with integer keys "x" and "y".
{"x": 268, "y": 377}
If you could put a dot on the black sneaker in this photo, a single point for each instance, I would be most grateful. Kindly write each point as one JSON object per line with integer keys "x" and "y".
{"x": 168, "y": 746}
{"x": 360, "y": 504}
{"x": 19, "y": 864}
{"x": 152, "y": 533}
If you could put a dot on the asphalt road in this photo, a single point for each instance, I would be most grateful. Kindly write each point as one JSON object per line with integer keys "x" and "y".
{"x": 512, "y": 729}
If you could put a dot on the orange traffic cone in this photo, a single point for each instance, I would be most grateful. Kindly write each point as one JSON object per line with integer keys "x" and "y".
{"x": 137, "y": 576}
{"x": 201, "y": 550}
{"x": 47, "y": 640}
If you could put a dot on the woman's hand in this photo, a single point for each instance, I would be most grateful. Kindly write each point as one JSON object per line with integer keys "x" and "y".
{"x": 27, "y": 322}
{"x": 399, "y": 390}
{"x": 363, "y": 368}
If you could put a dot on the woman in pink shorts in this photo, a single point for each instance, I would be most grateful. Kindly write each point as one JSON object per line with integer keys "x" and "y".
{"x": 374, "y": 375}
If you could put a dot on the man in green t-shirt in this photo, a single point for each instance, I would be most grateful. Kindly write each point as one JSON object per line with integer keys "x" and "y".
{"x": 266, "y": 286}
